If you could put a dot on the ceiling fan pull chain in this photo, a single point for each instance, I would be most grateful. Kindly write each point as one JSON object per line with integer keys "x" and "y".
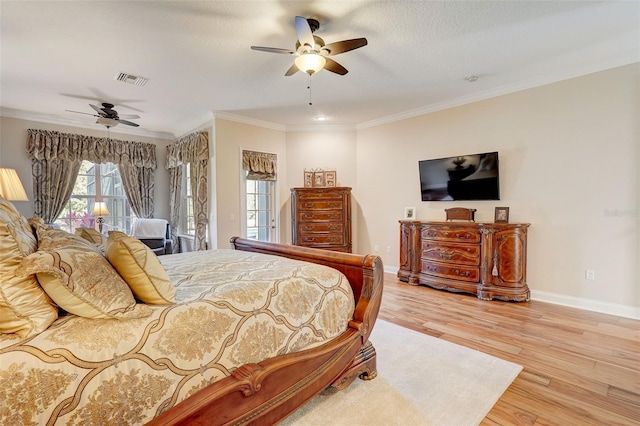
{"x": 309, "y": 87}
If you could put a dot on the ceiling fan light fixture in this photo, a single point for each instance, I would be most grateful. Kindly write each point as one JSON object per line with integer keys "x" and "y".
{"x": 310, "y": 62}
{"x": 107, "y": 122}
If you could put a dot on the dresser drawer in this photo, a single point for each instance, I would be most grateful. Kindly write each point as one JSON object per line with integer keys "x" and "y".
{"x": 323, "y": 216}
{"x": 320, "y": 228}
{"x": 463, "y": 254}
{"x": 320, "y": 205}
{"x": 454, "y": 272}
{"x": 319, "y": 239}
{"x": 321, "y": 195}
{"x": 453, "y": 234}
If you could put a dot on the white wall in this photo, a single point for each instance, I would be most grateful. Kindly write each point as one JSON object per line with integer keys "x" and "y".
{"x": 569, "y": 155}
{"x": 230, "y": 138}
{"x": 321, "y": 150}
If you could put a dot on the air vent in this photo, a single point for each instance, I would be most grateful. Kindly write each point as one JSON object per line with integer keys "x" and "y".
{"x": 131, "y": 79}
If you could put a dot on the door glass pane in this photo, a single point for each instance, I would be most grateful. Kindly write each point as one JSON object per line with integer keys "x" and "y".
{"x": 260, "y": 214}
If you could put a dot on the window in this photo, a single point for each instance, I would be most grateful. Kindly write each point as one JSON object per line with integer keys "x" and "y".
{"x": 97, "y": 182}
{"x": 260, "y": 210}
{"x": 187, "y": 216}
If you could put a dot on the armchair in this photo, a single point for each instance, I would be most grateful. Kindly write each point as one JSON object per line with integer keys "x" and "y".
{"x": 154, "y": 233}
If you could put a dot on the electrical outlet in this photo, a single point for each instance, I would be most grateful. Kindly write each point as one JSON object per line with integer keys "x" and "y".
{"x": 376, "y": 248}
{"x": 590, "y": 275}
{"x": 388, "y": 249}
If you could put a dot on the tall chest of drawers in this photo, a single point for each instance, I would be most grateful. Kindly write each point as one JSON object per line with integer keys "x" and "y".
{"x": 486, "y": 259}
{"x": 321, "y": 218}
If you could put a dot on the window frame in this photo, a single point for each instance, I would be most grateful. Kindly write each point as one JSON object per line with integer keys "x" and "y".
{"x": 120, "y": 215}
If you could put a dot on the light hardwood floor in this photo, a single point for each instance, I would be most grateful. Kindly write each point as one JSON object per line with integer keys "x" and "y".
{"x": 580, "y": 367}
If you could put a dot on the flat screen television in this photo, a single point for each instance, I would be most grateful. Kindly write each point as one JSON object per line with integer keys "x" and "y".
{"x": 465, "y": 177}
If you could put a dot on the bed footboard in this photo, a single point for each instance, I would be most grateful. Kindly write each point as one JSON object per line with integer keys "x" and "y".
{"x": 268, "y": 391}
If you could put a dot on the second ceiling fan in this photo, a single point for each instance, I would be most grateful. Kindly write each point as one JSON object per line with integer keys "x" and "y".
{"x": 311, "y": 51}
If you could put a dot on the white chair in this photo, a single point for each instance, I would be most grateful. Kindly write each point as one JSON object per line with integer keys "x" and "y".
{"x": 155, "y": 233}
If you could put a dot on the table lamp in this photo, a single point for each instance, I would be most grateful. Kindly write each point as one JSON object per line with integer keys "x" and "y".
{"x": 100, "y": 210}
{"x": 10, "y": 186}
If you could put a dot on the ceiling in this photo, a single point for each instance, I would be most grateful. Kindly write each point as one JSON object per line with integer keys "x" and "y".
{"x": 63, "y": 55}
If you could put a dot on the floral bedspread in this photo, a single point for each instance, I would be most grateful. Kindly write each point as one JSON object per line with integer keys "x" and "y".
{"x": 233, "y": 308}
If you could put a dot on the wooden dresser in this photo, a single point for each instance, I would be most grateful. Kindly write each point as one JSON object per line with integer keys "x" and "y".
{"x": 486, "y": 259}
{"x": 322, "y": 218}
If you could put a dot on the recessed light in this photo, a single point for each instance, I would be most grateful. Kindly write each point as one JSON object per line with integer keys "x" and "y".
{"x": 472, "y": 78}
{"x": 321, "y": 117}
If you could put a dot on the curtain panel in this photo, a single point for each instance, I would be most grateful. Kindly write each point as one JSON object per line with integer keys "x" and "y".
{"x": 260, "y": 165}
{"x": 192, "y": 149}
{"x": 55, "y": 162}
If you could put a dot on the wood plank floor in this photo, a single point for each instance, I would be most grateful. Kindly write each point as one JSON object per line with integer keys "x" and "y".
{"x": 580, "y": 367}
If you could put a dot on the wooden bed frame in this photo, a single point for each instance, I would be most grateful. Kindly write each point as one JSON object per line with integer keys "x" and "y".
{"x": 267, "y": 392}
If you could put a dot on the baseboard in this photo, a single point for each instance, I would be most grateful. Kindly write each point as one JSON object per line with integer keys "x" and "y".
{"x": 618, "y": 310}
{"x": 625, "y": 311}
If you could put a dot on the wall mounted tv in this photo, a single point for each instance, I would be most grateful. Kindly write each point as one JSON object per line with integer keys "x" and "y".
{"x": 465, "y": 177}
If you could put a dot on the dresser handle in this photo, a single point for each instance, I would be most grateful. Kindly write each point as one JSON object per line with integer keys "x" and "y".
{"x": 461, "y": 274}
{"x": 465, "y": 236}
{"x": 444, "y": 254}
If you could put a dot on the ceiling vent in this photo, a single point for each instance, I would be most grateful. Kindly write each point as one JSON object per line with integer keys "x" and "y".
{"x": 131, "y": 79}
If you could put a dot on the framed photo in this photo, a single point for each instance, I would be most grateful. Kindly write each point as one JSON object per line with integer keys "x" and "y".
{"x": 330, "y": 178}
{"x": 308, "y": 179}
{"x": 410, "y": 213}
{"x": 318, "y": 179}
{"x": 502, "y": 215}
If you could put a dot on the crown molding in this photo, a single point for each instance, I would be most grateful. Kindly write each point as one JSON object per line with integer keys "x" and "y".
{"x": 499, "y": 91}
{"x": 203, "y": 120}
{"x": 246, "y": 120}
{"x": 194, "y": 125}
{"x": 53, "y": 119}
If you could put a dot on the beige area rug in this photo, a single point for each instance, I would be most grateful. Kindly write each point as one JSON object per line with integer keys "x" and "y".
{"x": 421, "y": 380}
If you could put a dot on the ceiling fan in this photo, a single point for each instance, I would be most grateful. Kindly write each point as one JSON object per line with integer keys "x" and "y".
{"x": 311, "y": 51}
{"x": 109, "y": 117}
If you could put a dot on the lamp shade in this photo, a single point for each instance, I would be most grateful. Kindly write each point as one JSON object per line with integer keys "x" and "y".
{"x": 100, "y": 208}
{"x": 10, "y": 186}
{"x": 310, "y": 62}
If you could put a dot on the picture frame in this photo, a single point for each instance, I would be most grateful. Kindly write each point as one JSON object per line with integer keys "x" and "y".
{"x": 501, "y": 215}
{"x": 410, "y": 213}
{"x": 318, "y": 179}
{"x": 330, "y": 178}
{"x": 308, "y": 178}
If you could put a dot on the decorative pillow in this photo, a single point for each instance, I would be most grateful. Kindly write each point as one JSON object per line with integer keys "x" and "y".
{"x": 25, "y": 309}
{"x": 83, "y": 283}
{"x": 140, "y": 268}
{"x": 91, "y": 235}
{"x": 51, "y": 239}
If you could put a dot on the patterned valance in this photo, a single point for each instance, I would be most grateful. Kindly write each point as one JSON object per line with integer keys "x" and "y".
{"x": 260, "y": 165}
{"x": 47, "y": 144}
{"x": 188, "y": 149}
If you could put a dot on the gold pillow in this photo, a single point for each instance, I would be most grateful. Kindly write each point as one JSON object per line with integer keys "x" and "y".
{"x": 140, "y": 268}
{"x": 83, "y": 283}
{"x": 91, "y": 235}
{"x": 51, "y": 239}
{"x": 25, "y": 309}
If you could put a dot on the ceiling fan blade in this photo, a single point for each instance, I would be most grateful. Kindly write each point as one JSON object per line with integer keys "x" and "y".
{"x": 344, "y": 46}
{"x": 128, "y": 123}
{"x": 80, "y": 112}
{"x": 129, "y": 116}
{"x": 291, "y": 71}
{"x": 333, "y": 66}
{"x": 98, "y": 110}
{"x": 305, "y": 36}
{"x": 273, "y": 50}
